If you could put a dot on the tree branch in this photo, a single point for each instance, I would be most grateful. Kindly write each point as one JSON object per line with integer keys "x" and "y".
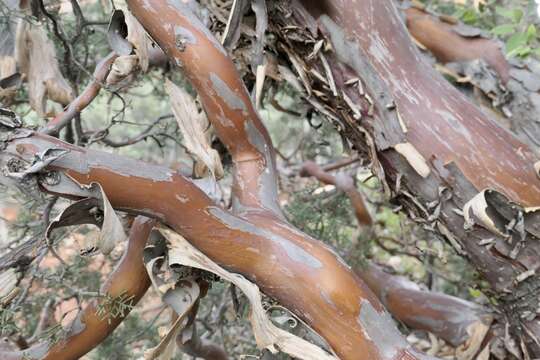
{"x": 90, "y": 329}
{"x": 224, "y": 97}
{"x": 284, "y": 262}
{"x": 344, "y": 183}
{"x": 84, "y": 99}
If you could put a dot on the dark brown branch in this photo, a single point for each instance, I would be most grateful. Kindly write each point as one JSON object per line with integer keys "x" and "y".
{"x": 446, "y": 43}
{"x": 450, "y": 318}
{"x": 189, "y": 341}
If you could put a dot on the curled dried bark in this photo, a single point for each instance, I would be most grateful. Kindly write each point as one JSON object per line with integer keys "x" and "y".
{"x": 196, "y": 132}
{"x": 90, "y": 328}
{"x": 36, "y": 58}
{"x": 96, "y": 210}
{"x": 266, "y": 333}
{"x": 465, "y": 151}
{"x": 8, "y": 286}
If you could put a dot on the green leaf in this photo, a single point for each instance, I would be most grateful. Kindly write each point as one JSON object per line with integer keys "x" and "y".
{"x": 475, "y": 293}
{"x": 531, "y": 33}
{"x": 469, "y": 17}
{"x": 504, "y": 29}
{"x": 515, "y": 41}
{"x": 515, "y": 14}
{"x": 523, "y": 51}
{"x": 520, "y": 51}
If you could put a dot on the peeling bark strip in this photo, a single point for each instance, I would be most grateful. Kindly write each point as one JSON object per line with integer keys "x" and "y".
{"x": 302, "y": 273}
{"x": 464, "y": 150}
{"x": 344, "y": 183}
{"x": 89, "y": 329}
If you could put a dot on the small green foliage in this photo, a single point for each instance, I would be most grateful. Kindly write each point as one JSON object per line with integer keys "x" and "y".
{"x": 324, "y": 216}
{"x": 503, "y": 30}
{"x": 515, "y": 15}
{"x": 120, "y": 344}
{"x": 53, "y": 334}
{"x": 112, "y": 307}
{"x": 512, "y": 22}
{"x": 7, "y": 321}
{"x": 475, "y": 293}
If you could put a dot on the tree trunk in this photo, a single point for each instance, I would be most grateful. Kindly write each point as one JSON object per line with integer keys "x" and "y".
{"x": 434, "y": 150}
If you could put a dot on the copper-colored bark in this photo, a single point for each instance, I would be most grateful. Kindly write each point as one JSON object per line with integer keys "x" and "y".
{"x": 448, "y": 45}
{"x": 257, "y": 243}
{"x": 90, "y": 329}
{"x": 189, "y": 44}
{"x": 302, "y": 273}
{"x": 445, "y": 316}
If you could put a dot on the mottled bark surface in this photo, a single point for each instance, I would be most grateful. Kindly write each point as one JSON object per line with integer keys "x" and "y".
{"x": 510, "y": 87}
{"x": 284, "y": 262}
{"x": 433, "y": 147}
{"x": 454, "y": 170}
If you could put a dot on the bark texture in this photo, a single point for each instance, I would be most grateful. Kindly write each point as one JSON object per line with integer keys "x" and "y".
{"x": 510, "y": 88}
{"x": 300, "y": 272}
{"x": 90, "y": 328}
{"x": 434, "y": 149}
{"x": 454, "y": 320}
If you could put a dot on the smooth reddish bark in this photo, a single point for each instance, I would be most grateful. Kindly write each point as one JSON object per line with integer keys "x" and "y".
{"x": 129, "y": 278}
